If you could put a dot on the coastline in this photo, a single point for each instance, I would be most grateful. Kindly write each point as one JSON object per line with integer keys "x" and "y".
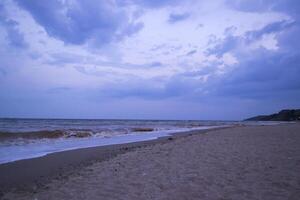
{"x": 28, "y": 173}
{"x": 34, "y": 149}
{"x": 244, "y": 162}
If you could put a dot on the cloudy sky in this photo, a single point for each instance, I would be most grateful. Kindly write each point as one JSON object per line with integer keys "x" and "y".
{"x": 149, "y": 59}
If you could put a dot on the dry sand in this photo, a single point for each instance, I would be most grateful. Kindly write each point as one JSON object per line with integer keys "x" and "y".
{"x": 237, "y": 163}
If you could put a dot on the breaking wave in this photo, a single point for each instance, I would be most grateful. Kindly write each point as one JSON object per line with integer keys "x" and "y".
{"x": 55, "y": 134}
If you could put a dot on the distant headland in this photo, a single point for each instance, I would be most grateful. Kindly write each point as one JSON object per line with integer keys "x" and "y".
{"x": 283, "y": 115}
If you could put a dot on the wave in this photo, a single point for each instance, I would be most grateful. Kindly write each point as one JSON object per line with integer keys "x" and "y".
{"x": 71, "y": 133}
{"x": 44, "y": 134}
{"x": 142, "y": 129}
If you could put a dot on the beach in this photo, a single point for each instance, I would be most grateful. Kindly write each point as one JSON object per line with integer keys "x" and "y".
{"x": 242, "y": 162}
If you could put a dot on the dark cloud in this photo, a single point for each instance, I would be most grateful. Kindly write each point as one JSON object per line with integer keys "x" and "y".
{"x": 226, "y": 45}
{"x": 291, "y": 7}
{"x": 156, "y": 64}
{"x": 77, "y": 22}
{"x": 270, "y": 28}
{"x": 231, "y": 42}
{"x": 14, "y": 36}
{"x": 199, "y": 26}
{"x": 175, "y": 17}
{"x": 269, "y": 77}
{"x": 135, "y": 87}
{"x": 158, "y": 47}
{"x": 287, "y": 40}
{"x": 192, "y": 52}
{"x": 250, "y": 5}
{"x": 261, "y": 74}
{"x": 176, "y": 87}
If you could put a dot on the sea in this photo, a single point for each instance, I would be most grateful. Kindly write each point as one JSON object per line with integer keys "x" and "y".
{"x": 29, "y": 138}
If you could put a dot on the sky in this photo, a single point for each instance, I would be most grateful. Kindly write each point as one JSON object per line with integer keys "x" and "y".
{"x": 149, "y": 59}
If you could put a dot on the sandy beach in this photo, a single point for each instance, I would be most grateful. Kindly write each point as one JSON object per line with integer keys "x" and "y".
{"x": 250, "y": 162}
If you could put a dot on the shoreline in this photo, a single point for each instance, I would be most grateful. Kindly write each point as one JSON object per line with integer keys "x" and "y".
{"x": 239, "y": 163}
{"x": 26, "y": 173}
{"x": 15, "y": 152}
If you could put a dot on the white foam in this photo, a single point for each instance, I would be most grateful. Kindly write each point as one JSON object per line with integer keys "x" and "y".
{"x": 10, "y": 153}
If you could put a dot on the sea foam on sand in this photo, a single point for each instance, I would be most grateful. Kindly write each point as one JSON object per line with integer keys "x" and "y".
{"x": 38, "y": 148}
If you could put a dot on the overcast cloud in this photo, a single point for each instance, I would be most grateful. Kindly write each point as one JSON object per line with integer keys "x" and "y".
{"x": 148, "y": 59}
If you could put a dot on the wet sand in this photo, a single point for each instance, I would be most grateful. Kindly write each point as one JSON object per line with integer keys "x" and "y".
{"x": 31, "y": 173}
{"x": 261, "y": 162}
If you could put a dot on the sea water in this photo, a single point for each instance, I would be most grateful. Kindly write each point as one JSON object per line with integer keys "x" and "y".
{"x": 29, "y": 138}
